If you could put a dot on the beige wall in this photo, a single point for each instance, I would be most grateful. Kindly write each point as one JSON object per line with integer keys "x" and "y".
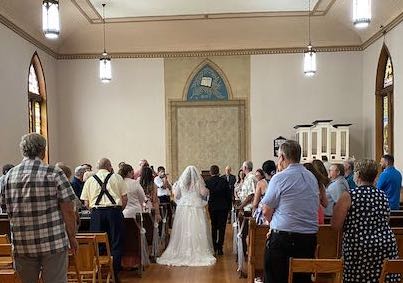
{"x": 15, "y": 58}
{"x": 394, "y": 42}
{"x": 281, "y": 97}
{"x": 122, "y": 120}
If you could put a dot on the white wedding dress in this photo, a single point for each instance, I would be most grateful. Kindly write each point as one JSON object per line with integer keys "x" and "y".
{"x": 190, "y": 243}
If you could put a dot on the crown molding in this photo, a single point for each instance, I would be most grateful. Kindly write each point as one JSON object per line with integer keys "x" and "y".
{"x": 6, "y": 22}
{"x": 208, "y": 53}
{"x": 390, "y": 26}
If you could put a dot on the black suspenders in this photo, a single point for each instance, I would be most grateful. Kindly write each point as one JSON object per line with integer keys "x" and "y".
{"x": 104, "y": 190}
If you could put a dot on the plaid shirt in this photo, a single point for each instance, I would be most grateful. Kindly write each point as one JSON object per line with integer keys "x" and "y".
{"x": 32, "y": 192}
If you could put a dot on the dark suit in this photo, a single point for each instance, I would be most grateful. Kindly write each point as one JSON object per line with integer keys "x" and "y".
{"x": 231, "y": 179}
{"x": 219, "y": 204}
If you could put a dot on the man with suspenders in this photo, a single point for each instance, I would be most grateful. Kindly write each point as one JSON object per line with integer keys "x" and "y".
{"x": 106, "y": 195}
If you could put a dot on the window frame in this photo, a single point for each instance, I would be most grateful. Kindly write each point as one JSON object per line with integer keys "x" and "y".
{"x": 32, "y": 98}
{"x": 380, "y": 94}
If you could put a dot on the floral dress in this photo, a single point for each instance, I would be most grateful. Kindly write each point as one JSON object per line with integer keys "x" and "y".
{"x": 367, "y": 237}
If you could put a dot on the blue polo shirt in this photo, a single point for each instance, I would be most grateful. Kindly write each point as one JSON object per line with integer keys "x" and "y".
{"x": 390, "y": 182}
{"x": 294, "y": 196}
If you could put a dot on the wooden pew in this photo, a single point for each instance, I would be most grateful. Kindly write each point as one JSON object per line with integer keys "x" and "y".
{"x": 4, "y": 225}
{"x": 396, "y": 213}
{"x": 396, "y": 221}
{"x": 256, "y": 246}
{"x": 329, "y": 242}
{"x": 399, "y": 239}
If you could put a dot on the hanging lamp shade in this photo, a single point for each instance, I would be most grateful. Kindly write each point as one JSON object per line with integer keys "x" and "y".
{"x": 361, "y": 13}
{"x": 310, "y": 62}
{"x": 50, "y": 18}
{"x": 105, "y": 68}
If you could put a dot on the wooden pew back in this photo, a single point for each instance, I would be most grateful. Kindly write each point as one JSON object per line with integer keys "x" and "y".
{"x": 399, "y": 239}
{"x": 256, "y": 247}
{"x": 329, "y": 242}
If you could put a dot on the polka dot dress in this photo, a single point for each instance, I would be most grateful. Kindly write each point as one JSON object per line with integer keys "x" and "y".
{"x": 367, "y": 238}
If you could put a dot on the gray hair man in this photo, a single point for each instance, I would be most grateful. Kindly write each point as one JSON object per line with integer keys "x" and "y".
{"x": 105, "y": 194}
{"x": 248, "y": 187}
{"x": 291, "y": 206}
{"x": 39, "y": 201}
{"x": 78, "y": 180}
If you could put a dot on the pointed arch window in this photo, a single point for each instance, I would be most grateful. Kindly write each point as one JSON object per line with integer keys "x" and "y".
{"x": 37, "y": 108}
{"x": 384, "y": 104}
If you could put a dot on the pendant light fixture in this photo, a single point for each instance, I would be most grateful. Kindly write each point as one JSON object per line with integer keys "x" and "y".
{"x": 310, "y": 54}
{"x": 50, "y": 18}
{"x": 105, "y": 68}
{"x": 361, "y": 13}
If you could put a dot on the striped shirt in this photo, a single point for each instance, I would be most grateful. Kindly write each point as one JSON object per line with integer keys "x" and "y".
{"x": 32, "y": 192}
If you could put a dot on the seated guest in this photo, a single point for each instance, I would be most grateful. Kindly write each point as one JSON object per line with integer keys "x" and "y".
{"x": 363, "y": 214}
{"x": 77, "y": 182}
{"x": 348, "y": 173}
{"x": 337, "y": 186}
{"x": 135, "y": 193}
{"x": 322, "y": 180}
{"x": 269, "y": 169}
{"x": 163, "y": 186}
{"x": 150, "y": 191}
{"x": 390, "y": 181}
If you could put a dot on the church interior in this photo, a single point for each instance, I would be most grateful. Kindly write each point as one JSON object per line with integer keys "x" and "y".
{"x": 199, "y": 83}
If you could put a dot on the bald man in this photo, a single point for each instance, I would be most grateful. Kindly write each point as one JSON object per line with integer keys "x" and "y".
{"x": 105, "y": 194}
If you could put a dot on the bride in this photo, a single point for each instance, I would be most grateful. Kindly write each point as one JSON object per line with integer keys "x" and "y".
{"x": 190, "y": 243}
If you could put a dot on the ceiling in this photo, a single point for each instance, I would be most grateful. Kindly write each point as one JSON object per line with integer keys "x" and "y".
{"x": 155, "y": 8}
{"x": 140, "y": 26}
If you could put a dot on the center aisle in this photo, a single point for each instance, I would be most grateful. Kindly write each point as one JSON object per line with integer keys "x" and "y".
{"x": 223, "y": 271}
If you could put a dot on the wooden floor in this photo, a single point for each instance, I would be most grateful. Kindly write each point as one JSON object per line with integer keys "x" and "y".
{"x": 223, "y": 271}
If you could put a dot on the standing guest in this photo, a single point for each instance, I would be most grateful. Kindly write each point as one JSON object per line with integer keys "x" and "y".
{"x": 390, "y": 181}
{"x": 322, "y": 180}
{"x": 231, "y": 179}
{"x": 150, "y": 191}
{"x": 363, "y": 215}
{"x": 349, "y": 173}
{"x": 78, "y": 180}
{"x": 269, "y": 169}
{"x": 142, "y": 164}
{"x": 219, "y": 205}
{"x": 291, "y": 206}
{"x": 164, "y": 188}
{"x": 66, "y": 170}
{"x": 238, "y": 185}
{"x": 320, "y": 168}
{"x": 326, "y": 163}
{"x": 87, "y": 175}
{"x": 135, "y": 193}
{"x": 87, "y": 166}
{"x": 39, "y": 201}
{"x": 259, "y": 174}
{"x": 105, "y": 194}
{"x": 248, "y": 188}
{"x": 337, "y": 186}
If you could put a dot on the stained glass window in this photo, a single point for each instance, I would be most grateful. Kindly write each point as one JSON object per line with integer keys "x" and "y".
{"x": 33, "y": 84}
{"x": 385, "y": 125}
{"x": 388, "y": 78}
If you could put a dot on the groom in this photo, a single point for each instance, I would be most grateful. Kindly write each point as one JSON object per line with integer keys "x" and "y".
{"x": 219, "y": 205}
